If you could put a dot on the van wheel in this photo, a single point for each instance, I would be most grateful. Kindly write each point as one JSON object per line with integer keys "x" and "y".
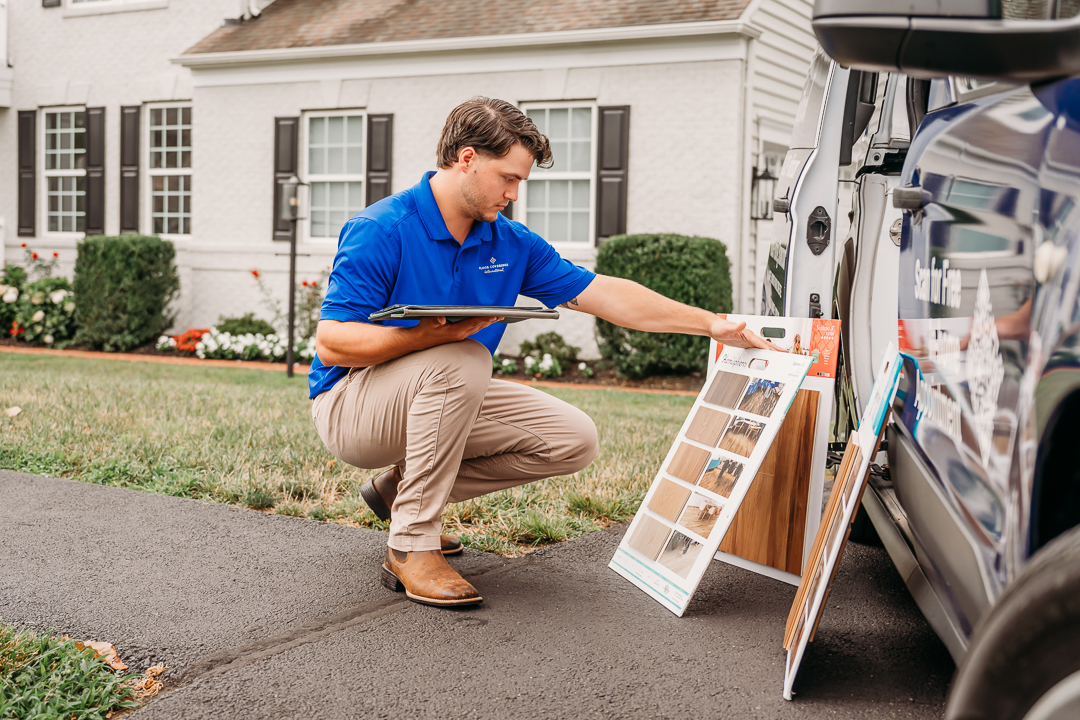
{"x": 863, "y": 530}
{"x": 1023, "y": 663}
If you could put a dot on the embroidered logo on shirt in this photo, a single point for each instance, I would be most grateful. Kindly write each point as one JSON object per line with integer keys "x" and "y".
{"x": 494, "y": 267}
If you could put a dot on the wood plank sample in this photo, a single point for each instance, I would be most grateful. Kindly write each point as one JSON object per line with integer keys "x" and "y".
{"x": 649, "y": 537}
{"x": 688, "y": 463}
{"x": 771, "y": 522}
{"x": 707, "y": 426}
{"x": 726, "y": 389}
{"x": 669, "y": 499}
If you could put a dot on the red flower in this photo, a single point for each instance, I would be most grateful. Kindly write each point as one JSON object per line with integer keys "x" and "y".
{"x": 186, "y": 341}
{"x": 304, "y": 283}
{"x": 34, "y": 256}
{"x": 255, "y": 273}
{"x": 23, "y": 245}
{"x": 56, "y": 254}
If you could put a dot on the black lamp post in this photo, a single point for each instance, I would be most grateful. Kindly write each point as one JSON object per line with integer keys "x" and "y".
{"x": 290, "y": 206}
{"x": 762, "y": 188}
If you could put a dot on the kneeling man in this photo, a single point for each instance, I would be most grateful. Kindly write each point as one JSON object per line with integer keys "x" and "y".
{"x": 418, "y": 396}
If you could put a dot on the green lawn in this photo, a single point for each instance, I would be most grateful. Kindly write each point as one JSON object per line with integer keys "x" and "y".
{"x": 245, "y": 437}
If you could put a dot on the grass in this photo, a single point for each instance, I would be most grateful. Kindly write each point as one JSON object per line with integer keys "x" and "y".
{"x": 46, "y": 677}
{"x": 245, "y": 437}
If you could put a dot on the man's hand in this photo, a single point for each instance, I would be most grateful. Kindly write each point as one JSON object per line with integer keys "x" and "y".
{"x": 726, "y": 332}
{"x": 432, "y": 331}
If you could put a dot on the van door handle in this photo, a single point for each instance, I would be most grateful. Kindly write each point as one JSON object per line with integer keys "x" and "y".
{"x": 911, "y": 198}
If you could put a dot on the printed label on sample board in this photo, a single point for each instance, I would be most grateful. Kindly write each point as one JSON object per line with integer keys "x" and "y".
{"x": 707, "y": 473}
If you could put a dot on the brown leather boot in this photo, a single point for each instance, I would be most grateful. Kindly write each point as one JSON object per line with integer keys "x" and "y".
{"x": 379, "y": 494}
{"x": 426, "y": 578}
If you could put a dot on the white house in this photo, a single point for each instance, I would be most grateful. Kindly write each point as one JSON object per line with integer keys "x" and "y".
{"x": 181, "y": 118}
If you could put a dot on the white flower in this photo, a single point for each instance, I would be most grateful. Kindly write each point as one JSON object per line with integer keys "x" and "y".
{"x": 507, "y": 362}
{"x": 69, "y": 307}
{"x": 57, "y": 296}
{"x": 581, "y": 366}
{"x": 11, "y": 295}
{"x": 37, "y": 298}
{"x": 48, "y": 339}
{"x": 38, "y": 316}
{"x": 529, "y": 361}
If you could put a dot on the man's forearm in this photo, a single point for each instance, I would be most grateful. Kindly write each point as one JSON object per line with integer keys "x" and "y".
{"x": 631, "y": 305}
{"x": 356, "y": 344}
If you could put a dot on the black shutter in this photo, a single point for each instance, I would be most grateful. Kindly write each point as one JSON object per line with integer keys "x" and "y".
{"x": 611, "y": 171}
{"x": 27, "y": 172}
{"x": 286, "y": 139}
{"x": 129, "y": 168}
{"x": 379, "y": 157}
{"x": 95, "y": 171}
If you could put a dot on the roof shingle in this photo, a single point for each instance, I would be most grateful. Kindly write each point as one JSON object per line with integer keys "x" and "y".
{"x": 311, "y": 23}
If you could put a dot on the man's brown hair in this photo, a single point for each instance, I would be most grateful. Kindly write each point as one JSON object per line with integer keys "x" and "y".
{"x": 491, "y": 127}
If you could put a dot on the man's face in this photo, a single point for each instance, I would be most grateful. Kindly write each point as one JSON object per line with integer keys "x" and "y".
{"x": 488, "y": 184}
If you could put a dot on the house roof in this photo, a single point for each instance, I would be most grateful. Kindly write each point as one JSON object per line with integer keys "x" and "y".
{"x": 313, "y": 23}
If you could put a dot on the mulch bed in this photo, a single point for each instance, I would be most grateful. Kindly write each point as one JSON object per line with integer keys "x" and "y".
{"x": 602, "y": 376}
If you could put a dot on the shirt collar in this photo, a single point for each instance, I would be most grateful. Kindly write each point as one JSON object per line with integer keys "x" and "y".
{"x": 432, "y": 218}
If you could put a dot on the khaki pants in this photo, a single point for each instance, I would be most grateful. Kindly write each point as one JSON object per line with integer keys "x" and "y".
{"x": 453, "y": 432}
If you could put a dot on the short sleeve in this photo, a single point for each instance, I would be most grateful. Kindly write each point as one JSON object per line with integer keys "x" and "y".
{"x": 550, "y": 278}
{"x": 364, "y": 272}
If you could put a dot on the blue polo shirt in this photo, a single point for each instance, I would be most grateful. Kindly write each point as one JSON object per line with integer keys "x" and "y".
{"x": 398, "y": 251}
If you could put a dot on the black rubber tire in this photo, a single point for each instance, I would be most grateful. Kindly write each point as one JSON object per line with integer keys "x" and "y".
{"x": 1026, "y": 643}
{"x": 862, "y": 528}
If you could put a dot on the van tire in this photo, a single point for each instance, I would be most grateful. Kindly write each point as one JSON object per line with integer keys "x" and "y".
{"x": 1027, "y": 643}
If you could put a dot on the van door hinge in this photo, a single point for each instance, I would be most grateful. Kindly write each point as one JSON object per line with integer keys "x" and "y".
{"x": 818, "y": 230}
{"x": 815, "y": 305}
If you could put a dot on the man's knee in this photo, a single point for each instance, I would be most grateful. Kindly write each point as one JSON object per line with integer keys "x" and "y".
{"x": 582, "y": 443}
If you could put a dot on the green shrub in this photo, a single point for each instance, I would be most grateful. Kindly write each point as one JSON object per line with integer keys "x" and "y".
{"x": 243, "y": 325}
{"x": 124, "y": 285}
{"x": 692, "y": 270}
{"x": 550, "y": 343}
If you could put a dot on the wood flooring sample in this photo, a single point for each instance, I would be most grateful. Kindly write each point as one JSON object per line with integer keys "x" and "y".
{"x": 669, "y": 499}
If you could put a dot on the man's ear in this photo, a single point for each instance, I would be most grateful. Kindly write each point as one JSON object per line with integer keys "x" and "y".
{"x": 467, "y": 157}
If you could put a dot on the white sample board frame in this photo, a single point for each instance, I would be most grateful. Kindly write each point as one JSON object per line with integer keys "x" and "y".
{"x": 819, "y": 339}
{"x": 832, "y": 535}
{"x": 689, "y": 506}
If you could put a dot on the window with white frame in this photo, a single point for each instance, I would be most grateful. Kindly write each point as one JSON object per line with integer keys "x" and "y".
{"x": 334, "y": 169}
{"x": 169, "y": 170}
{"x": 559, "y": 201}
{"x": 65, "y": 170}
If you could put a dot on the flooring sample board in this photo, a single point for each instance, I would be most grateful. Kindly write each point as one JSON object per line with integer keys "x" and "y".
{"x": 776, "y": 523}
{"x": 839, "y": 513}
{"x": 708, "y": 471}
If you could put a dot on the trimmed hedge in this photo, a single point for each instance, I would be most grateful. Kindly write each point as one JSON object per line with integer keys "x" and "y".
{"x": 692, "y": 270}
{"x": 124, "y": 285}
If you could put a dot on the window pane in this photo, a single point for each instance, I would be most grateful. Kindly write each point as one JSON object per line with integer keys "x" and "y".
{"x": 170, "y": 116}
{"x": 50, "y": 121}
{"x": 159, "y": 225}
{"x": 173, "y": 203}
{"x": 317, "y": 131}
{"x": 159, "y": 203}
{"x": 581, "y": 194}
{"x": 319, "y": 194}
{"x": 356, "y": 198}
{"x": 174, "y": 225}
{"x": 185, "y": 159}
{"x": 579, "y": 156}
{"x": 317, "y": 161}
{"x": 559, "y": 151}
{"x": 54, "y": 223}
{"x": 337, "y": 195}
{"x": 559, "y": 194}
{"x": 558, "y": 230}
{"x": 355, "y": 163}
{"x": 335, "y": 160}
{"x": 579, "y": 228}
{"x": 560, "y": 123}
{"x": 67, "y": 203}
{"x": 65, "y": 120}
{"x": 537, "y": 197}
{"x": 335, "y": 127}
{"x": 537, "y": 222}
{"x": 318, "y": 224}
{"x": 185, "y": 137}
{"x": 337, "y": 220}
{"x": 539, "y": 118}
{"x": 155, "y": 116}
{"x": 582, "y": 124}
{"x": 356, "y": 130}
{"x": 185, "y": 116}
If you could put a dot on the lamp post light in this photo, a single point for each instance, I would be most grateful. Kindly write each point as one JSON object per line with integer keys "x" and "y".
{"x": 290, "y": 208}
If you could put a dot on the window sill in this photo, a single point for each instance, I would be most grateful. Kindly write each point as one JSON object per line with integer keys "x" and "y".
{"x": 575, "y": 252}
{"x": 105, "y": 7}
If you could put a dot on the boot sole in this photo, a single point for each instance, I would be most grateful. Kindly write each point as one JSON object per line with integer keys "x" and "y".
{"x": 390, "y": 580}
